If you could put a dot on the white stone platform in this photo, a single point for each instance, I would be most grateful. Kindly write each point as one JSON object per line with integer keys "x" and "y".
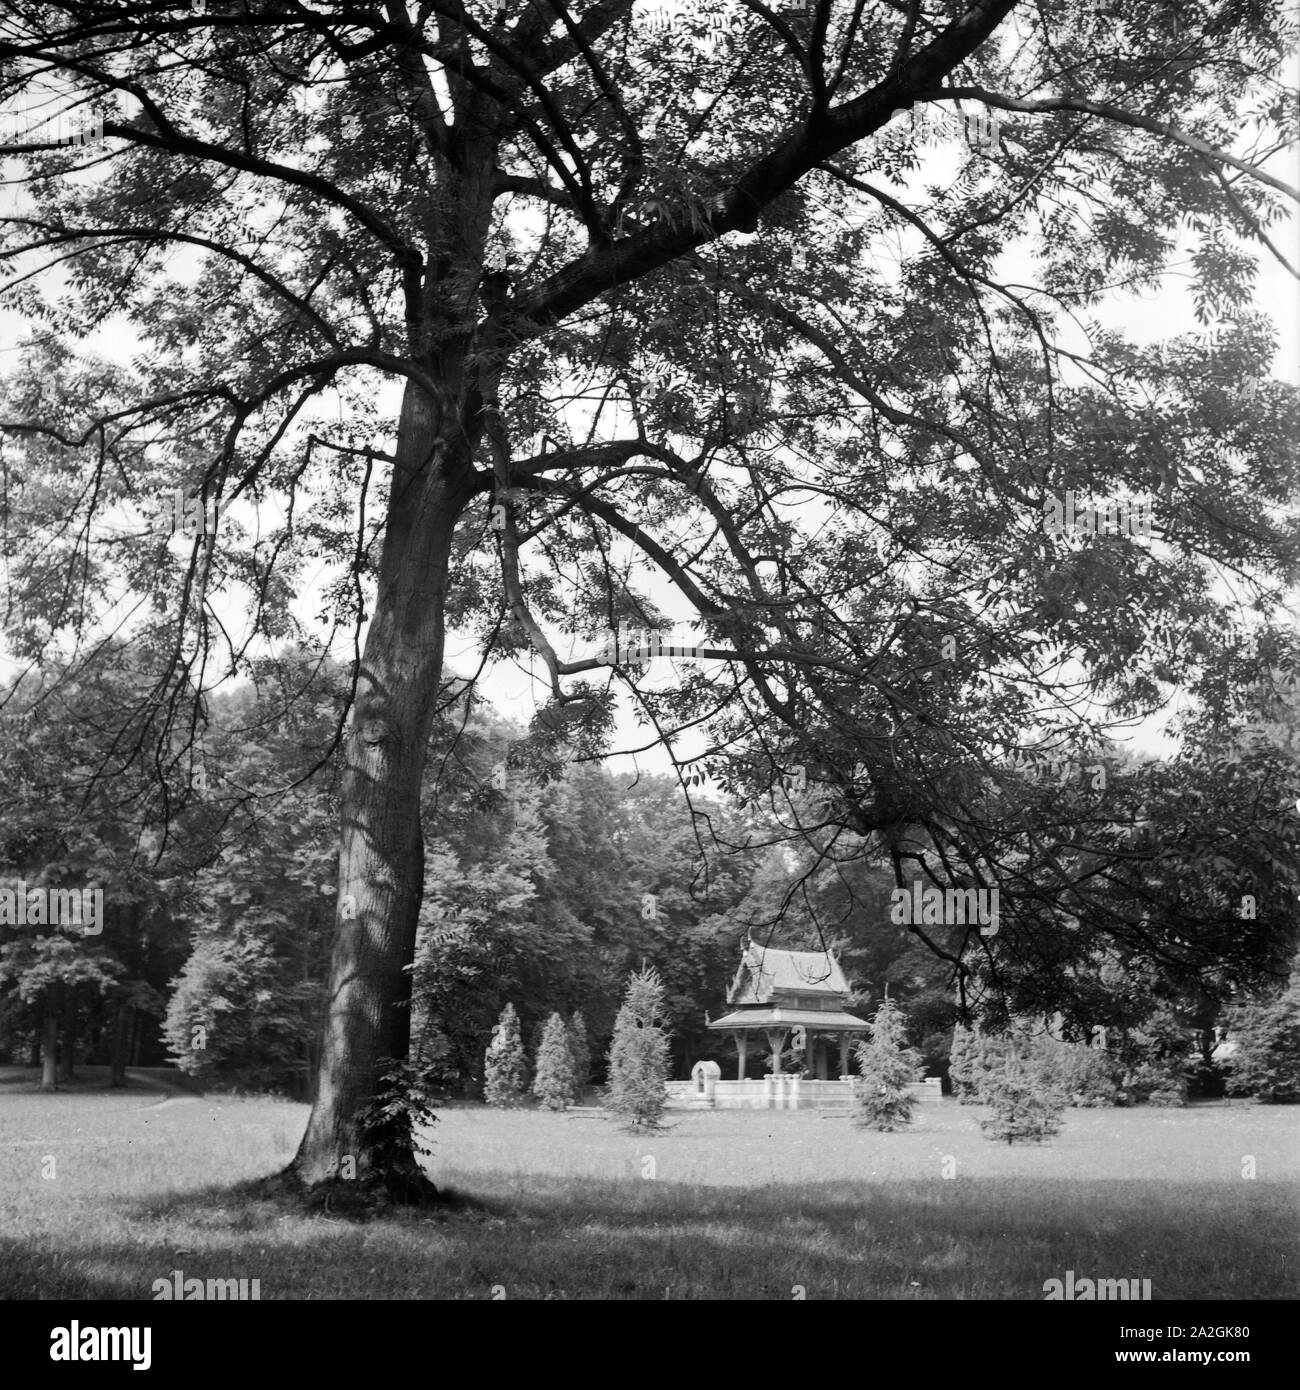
{"x": 776, "y": 1092}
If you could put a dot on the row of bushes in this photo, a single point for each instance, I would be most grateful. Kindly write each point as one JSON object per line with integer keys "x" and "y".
{"x": 638, "y": 1058}
{"x": 1080, "y": 1075}
{"x": 1266, "y": 1064}
{"x": 560, "y": 1070}
{"x": 1023, "y": 1088}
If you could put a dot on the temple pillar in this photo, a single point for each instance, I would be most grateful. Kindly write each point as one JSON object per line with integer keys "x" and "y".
{"x": 742, "y": 1045}
{"x": 776, "y": 1041}
{"x": 844, "y": 1054}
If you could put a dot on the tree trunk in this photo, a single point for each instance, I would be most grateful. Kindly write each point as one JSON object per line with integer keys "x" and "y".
{"x": 381, "y": 854}
{"x": 67, "y": 1056}
{"x": 117, "y": 1044}
{"x": 50, "y": 1043}
{"x": 307, "y": 1084}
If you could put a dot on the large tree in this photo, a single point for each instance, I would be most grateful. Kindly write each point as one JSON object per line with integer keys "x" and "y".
{"x": 705, "y": 300}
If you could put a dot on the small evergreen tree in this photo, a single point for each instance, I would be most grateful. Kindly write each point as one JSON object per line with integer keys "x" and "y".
{"x": 1024, "y": 1102}
{"x": 881, "y": 1098}
{"x": 580, "y": 1051}
{"x": 961, "y": 1064}
{"x": 1266, "y": 1063}
{"x": 638, "y": 1054}
{"x": 553, "y": 1082}
{"x": 505, "y": 1070}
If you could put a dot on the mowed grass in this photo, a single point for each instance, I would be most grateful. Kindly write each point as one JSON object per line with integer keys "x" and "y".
{"x": 722, "y": 1205}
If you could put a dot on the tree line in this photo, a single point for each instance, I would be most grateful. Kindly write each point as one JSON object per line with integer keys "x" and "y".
{"x": 217, "y": 937}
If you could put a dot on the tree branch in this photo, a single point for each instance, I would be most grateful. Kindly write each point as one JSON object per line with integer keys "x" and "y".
{"x": 1122, "y": 117}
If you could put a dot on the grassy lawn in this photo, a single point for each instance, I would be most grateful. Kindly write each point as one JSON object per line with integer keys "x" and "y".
{"x": 722, "y": 1205}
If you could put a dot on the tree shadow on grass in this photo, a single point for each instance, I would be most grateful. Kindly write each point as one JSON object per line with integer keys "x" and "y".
{"x": 557, "y": 1238}
{"x": 279, "y": 1197}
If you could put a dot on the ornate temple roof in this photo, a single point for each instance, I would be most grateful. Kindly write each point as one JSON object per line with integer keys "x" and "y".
{"x": 766, "y": 973}
{"x": 830, "y": 1021}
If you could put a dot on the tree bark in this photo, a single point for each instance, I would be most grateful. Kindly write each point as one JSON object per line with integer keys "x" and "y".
{"x": 50, "y": 1044}
{"x": 381, "y": 856}
{"x": 310, "y": 1057}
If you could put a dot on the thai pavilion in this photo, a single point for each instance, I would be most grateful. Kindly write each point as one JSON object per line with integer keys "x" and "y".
{"x": 776, "y": 992}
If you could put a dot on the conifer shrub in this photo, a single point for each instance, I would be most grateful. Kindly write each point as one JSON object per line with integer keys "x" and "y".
{"x": 1266, "y": 1063}
{"x": 505, "y": 1073}
{"x": 638, "y": 1054}
{"x": 1024, "y": 1104}
{"x": 882, "y": 1098}
{"x": 553, "y": 1080}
